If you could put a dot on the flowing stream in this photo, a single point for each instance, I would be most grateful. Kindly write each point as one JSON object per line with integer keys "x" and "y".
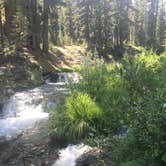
{"x": 26, "y": 109}
{"x": 69, "y": 155}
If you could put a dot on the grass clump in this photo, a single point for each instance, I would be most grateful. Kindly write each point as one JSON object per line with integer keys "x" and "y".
{"x": 77, "y": 117}
{"x": 81, "y": 106}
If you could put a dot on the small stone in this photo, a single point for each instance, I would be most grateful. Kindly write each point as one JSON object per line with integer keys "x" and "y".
{"x": 45, "y": 163}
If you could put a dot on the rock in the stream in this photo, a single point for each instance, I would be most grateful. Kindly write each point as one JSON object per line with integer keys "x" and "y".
{"x": 52, "y": 77}
{"x": 45, "y": 163}
{"x": 90, "y": 158}
{"x": 31, "y": 148}
{"x": 1, "y": 106}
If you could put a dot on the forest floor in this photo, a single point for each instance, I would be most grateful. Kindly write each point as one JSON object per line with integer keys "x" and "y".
{"x": 61, "y": 59}
{"x": 22, "y": 69}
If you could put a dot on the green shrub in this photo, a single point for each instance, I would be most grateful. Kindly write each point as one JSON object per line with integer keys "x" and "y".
{"x": 146, "y": 112}
{"x": 146, "y": 136}
{"x": 114, "y": 103}
{"x": 148, "y": 123}
{"x": 106, "y": 87}
{"x": 140, "y": 72}
{"x": 81, "y": 106}
{"x": 81, "y": 115}
{"x": 94, "y": 79}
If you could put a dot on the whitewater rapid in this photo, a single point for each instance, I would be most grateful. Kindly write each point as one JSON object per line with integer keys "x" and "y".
{"x": 24, "y": 110}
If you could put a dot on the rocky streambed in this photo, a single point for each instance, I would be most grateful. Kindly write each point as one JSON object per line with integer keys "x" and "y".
{"x": 24, "y": 125}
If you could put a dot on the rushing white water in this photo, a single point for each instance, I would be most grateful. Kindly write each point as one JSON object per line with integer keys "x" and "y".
{"x": 69, "y": 155}
{"x": 22, "y": 111}
{"x": 64, "y": 78}
{"x": 26, "y": 109}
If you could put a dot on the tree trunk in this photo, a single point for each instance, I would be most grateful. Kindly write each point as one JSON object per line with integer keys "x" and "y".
{"x": 35, "y": 26}
{"x": 1, "y": 31}
{"x": 45, "y": 26}
{"x": 10, "y": 12}
{"x": 32, "y": 15}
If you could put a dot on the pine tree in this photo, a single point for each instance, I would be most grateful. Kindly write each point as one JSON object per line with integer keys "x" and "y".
{"x": 45, "y": 26}
{"x": 161, "y": 25}
{"x": 152, "y": 22}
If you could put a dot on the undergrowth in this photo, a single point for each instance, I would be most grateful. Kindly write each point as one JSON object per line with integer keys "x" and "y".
{"x": 125, "y": 103}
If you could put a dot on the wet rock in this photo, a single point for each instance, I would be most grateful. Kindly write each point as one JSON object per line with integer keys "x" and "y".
{"x": 90, "y": 158}
{"x": 45, "y": 163}
{"x": 1, "y": 106}
{"x": 31, "y": 148}
{"x": 52, "y": 77}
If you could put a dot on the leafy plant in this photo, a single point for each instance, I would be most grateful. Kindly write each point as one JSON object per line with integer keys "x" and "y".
{"x": 81, "y": 115}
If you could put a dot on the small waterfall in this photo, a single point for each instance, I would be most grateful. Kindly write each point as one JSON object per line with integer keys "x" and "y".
{"x": 26, "y": 109}
{"x": 66, "y": 77}
{"x": 69, "y": 156}
{"x": 63, "y": 78}
{"x": 22, "y": 111}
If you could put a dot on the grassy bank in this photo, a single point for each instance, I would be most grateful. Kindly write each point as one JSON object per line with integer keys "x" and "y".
{"x": 123, "y": 104}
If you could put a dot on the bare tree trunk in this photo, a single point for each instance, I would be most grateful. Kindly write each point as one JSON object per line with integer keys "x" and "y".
{"x": 35, "y": 24}
{"x": 34, "y": 30}
{"x": 45, "y": 26}
{"x": 9, "y": 16}
{"x": 1, "y": 31}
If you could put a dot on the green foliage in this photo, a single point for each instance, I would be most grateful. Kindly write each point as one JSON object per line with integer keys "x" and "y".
{"x": 132, "y": 163}
{"x": 81, "y": 106}
{"x": 132, "y": 96}
{"x": 94, "y": 77}
{"x": 82, "y": 115}
{"x": 146, "y": 113}
{"x": 140, "y": 72}
{"x": 36, "y": 76}
{"x": 58, "y": 126}
{"x": 105, "y": 86}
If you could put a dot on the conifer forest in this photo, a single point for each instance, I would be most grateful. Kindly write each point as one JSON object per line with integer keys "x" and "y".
{"x": 82, "y": 82}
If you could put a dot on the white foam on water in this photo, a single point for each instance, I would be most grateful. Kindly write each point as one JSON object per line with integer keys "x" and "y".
{"x": 64, "y": 78}
{"x": 21, "y": 112}
{"x": 25, "y": 109}
{"x": 69, "y": 155}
